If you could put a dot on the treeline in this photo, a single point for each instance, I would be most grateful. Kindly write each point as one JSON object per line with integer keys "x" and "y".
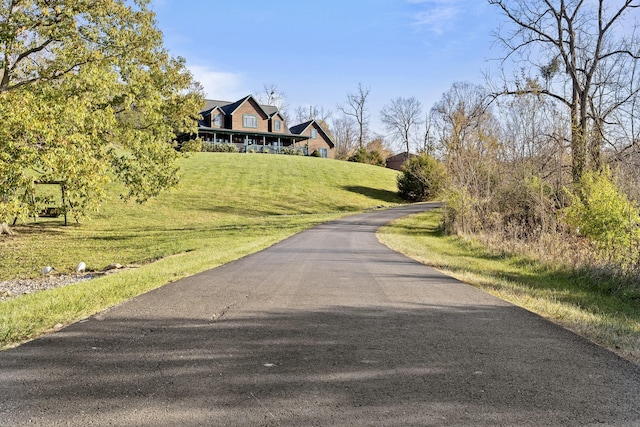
{"x": 510, "y": 183}
{"x": 546, "y": 162}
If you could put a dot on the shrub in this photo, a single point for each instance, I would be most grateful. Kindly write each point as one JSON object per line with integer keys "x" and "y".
{"x": 291, "y": 151}
{"x": 526, "y": 206}
{"x": 422, "y": 178}
{"x": 370, "y": 157}
{"x": 375, "y": 158}
{"x": 218, "y": 147}
{"x": 192, "y": 146}
{"x": 603, "y": 214}
{"x": 315, "y": 153}
{"x": 359, "y": 156}
{"x": 461, "y": 211}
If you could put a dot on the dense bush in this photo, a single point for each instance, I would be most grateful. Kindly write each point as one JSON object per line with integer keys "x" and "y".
{"x": 217, "y": 147}
{"x": 603, "y": 214}
{"x": 422, "y": 178}
{"x": 191, "y": 146}
{"x": 372, "y": 157}
{"x": 462, "y": 213}
{"x": 292, "y": 151}
{"x": 525, "y": 207}
{"x": 594, "y": 230}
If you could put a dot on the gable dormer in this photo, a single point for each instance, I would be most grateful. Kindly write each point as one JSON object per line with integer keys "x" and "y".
{"x": 217, "y": 118}
{"x": 213, "y": 114}
{"x": 277, "y": 124}
{"x": 247, "y": 115}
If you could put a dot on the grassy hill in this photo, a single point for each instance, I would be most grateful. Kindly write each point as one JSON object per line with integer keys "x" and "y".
{"x": 228, "y": 205}
{"x": 223, "y": 199}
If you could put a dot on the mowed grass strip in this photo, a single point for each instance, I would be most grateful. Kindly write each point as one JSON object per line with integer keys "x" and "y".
{"x": 227, "y": 206}
{"x": 554, "y": 292}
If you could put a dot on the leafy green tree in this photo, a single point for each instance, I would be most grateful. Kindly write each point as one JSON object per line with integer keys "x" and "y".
{"x": 422, "y": 178}
{"x": 88, "y": 95}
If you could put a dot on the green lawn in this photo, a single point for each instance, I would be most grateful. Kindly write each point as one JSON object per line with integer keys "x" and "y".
{"x": 228, "y": 205}
{"x": 561, "y": 295}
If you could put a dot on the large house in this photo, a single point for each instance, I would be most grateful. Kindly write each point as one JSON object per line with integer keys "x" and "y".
{"x": 253, "y": 127}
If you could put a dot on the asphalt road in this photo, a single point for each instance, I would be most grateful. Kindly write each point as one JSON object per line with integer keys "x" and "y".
{"x": 326, "y": 328}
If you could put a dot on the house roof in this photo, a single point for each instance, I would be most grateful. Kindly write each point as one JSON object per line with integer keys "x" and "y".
{"x": 210, "y": 104}
{"x": 228, "y": 107}
{"x": 298, "y": 129}
{"x": 405, "y": 155}
{"x": 271, "y": 110}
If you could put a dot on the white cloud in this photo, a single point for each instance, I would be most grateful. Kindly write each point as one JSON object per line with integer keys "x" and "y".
{"x": 218, "y": 84}
{"x": 437, "y": 16}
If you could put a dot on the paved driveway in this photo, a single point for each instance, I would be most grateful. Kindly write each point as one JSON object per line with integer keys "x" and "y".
{"x": 326, "y": 328}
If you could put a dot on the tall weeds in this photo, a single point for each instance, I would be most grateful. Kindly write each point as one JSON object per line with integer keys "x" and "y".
{"x": 595, "y": 232}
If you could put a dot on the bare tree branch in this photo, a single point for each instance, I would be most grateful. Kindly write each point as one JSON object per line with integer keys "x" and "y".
{"x": 581, "y": 34}
{"x": 356, "y": 107}
{"x": 401, "y": 117}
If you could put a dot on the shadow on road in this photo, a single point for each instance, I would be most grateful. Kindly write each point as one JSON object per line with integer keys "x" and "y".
{"x": 375, "y": 193}
{"x": 335, "y": 366}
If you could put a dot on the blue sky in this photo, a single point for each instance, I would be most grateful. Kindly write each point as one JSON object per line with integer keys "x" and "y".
{"x": 317, "y": 52}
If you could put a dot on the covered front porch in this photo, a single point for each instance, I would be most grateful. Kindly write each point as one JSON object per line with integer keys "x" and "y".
{"x": 254, "y": 142}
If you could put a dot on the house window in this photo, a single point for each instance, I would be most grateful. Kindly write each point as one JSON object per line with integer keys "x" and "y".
{"x": 249, "y": 121}
{"x": 277, "y": 125}
{"x": 217, "y": 120}
{"x": 323, "y": 152}
{"x": 314, "y": 133}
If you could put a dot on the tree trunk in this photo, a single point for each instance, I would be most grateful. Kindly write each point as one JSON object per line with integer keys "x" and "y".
{"x": 578, "y": 133}
{"x": 595, "y": 145}
{"x": 578, "y": 152}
